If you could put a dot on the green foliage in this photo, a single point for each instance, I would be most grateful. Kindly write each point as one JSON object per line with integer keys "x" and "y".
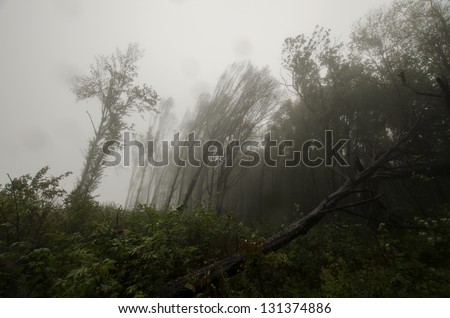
{"x": 346, "y": 259}
{"x": 27, "y": 204}
{"x": 135, "y": 253}
{"x": 102, "y": 251}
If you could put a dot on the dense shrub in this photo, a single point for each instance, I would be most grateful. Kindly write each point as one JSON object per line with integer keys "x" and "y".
{"x": 48, "y": 249}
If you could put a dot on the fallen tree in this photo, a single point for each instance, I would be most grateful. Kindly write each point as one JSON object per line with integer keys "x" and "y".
{"x": 193, "y": 283}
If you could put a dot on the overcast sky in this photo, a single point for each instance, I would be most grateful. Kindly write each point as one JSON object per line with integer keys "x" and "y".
{"x": 187, "y": 45}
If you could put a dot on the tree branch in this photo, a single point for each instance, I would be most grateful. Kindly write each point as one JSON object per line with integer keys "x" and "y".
{"x": 357, "y": 203}
{"x": 92, "y": 122}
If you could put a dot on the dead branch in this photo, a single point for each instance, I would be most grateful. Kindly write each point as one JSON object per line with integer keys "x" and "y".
{"x": 92, "y": 122}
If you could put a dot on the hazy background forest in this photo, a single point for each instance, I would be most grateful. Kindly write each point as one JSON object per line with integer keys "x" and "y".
{"x": 377, "y": 227}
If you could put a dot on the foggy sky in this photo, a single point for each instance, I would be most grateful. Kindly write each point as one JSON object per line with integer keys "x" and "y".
{"x": 187, "y": 45}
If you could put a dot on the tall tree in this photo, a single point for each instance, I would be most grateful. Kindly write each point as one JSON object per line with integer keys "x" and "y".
{"x": 112, "y": 81}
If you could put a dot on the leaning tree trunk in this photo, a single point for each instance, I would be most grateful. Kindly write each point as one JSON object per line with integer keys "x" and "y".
{"x": 92, "y": 170}
{"x": 171, "y": 190}
{"x": 192, "y": 184}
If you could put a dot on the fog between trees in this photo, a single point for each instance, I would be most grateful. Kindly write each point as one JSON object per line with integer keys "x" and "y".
{"x": 376, "y": 226}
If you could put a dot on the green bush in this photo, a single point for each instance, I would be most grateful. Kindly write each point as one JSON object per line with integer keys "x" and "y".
{"x": 48, "y": 249}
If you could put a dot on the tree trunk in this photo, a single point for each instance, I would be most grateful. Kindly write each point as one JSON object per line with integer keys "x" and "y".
{"x": 172, "y": 189}
{"x": 191, "y": 187}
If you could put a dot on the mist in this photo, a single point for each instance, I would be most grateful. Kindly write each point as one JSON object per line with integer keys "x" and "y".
{"x": 186, "y": 45}
{"x": 197, "y": 148}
